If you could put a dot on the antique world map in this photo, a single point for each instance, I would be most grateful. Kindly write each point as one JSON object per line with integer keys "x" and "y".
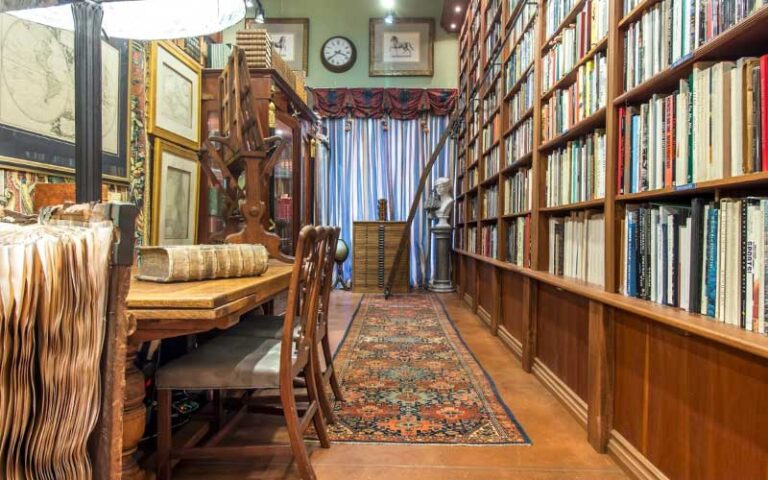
{"x": 37, "y": 82}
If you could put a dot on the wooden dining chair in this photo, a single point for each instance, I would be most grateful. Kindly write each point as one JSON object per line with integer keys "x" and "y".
{"x": 271, "y": 326}
{"x": 242, "y": 363}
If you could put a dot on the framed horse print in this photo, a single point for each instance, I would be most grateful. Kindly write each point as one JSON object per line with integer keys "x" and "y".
{"x": 403, "y": 48}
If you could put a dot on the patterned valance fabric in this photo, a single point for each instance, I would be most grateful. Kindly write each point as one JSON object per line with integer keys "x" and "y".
{"x": 397, "y": 103}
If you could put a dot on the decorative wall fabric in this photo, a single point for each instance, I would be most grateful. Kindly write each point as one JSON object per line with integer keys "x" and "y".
{"x": 396, "y": 103}
{"x": 371, "y": 159}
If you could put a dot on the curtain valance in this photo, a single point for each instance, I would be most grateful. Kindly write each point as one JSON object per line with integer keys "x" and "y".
{"x": 397, "y": 103}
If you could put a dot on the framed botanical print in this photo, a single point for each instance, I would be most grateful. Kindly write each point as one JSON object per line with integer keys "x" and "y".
{"x": 176, "y": 193}
{"x": 175, "y": 95}
{"x": 290, "y": 37}
{"x": 37, "y": 100}
{"x": 402, "y": 48}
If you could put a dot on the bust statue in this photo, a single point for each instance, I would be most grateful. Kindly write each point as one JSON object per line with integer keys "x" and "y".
{"x": 441, "y": 203}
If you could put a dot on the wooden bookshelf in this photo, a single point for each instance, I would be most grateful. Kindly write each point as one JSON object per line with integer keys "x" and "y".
{"x": 629, "y": 350}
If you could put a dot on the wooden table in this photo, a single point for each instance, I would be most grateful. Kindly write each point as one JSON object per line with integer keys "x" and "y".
{"x": 157, "y": 311}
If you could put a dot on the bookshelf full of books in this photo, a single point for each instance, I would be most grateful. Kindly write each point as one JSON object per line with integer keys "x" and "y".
{"x": 617, "y": 189}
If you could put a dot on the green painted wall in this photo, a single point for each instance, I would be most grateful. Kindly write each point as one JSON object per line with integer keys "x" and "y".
{"x": 350, "y": 18}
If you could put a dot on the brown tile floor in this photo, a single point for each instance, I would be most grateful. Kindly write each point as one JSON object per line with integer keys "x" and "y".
{"x": 560, "y": 449}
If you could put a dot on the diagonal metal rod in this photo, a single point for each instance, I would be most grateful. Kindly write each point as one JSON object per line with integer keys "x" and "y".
{"x": 415, "y": 205}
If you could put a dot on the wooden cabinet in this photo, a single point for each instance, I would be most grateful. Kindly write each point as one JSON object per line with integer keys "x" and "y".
{"x": 289, "y": 199}
{"x": 373, "y": 256}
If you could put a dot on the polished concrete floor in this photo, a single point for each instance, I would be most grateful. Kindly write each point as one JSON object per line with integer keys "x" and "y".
{"x": 559, "y": 451}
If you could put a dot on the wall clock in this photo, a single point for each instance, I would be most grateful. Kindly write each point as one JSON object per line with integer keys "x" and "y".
{"x": 338, "y": 54}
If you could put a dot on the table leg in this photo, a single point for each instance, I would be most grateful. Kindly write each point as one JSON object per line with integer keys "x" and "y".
{"x": 134, "y": 416}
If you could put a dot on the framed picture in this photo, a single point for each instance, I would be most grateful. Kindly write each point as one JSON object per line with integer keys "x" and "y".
{"x": 290, "y": 37}
{"x": 176, "y": 194}
{"x": 175, "y": 95}
{"x": 37, "y": 100}
{"x": 402, "y": 48}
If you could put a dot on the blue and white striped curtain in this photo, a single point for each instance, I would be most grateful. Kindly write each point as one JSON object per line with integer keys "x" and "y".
{"x": 366, "y": 163}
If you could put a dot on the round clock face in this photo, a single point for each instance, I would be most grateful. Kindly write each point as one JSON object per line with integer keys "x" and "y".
{"x": 338, "y": 54}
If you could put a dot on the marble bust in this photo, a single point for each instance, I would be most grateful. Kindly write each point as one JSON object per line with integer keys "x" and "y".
{"x": 443, "y": 204}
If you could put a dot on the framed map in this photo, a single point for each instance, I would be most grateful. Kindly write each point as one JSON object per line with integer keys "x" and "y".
{"x": 175, "y": 95}
{"x": 37, "y": 99}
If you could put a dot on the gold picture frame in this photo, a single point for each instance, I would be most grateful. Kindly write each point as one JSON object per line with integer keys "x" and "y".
{"x": 412, "y": 53}
{"x": 175, "y": 95}
{"x": 182, "y": 210}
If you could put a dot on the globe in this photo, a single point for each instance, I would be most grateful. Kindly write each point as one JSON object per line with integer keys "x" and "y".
{"x": 342, "y": 251}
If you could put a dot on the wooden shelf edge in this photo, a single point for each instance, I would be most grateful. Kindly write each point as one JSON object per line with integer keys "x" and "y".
{"x": 695, "y": 324}
{"x": 588, "y": 124}
{"x": 521, "y": 162}
{"x": 599, "y": 202}
{"x": 508, "y": 216}
{"x": 697, "y": 188}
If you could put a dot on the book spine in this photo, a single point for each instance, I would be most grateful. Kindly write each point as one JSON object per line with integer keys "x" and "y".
{"x": 764, "y": 111}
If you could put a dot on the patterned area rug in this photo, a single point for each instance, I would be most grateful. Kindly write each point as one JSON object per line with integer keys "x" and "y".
{"x": 408, "y": 377}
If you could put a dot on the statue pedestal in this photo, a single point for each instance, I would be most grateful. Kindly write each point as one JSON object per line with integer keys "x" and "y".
{"x": 441, "y": 276}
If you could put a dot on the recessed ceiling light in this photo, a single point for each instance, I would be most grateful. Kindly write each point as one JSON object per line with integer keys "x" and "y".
{"x": 453, "y": 26}
{"x": 457, "y": 9}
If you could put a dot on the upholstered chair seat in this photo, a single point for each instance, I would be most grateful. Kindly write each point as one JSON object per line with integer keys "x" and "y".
{"x": 227, "y": 362}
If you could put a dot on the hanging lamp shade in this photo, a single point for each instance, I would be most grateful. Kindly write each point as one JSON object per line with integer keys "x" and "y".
{"x": 147, "y": 19}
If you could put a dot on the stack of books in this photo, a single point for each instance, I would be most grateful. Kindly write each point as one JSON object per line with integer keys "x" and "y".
{"x": 576, "y": 173}
{"x": 672, "y": 29}
{"x": 575, "y": 41}
{"x": 519, "y": 241}
{"x": 489, "y": 241}
{"x": 714, "y": 126}
{"x": 218, "y": 55}
{"x": 707, "y": 257}
{"x": 517, "y": 190}
{"x": 567, "y": 107}
{"x": 576, "y": 246}
{"x": 257, "y": 45}
{"x": 491, "y": 202}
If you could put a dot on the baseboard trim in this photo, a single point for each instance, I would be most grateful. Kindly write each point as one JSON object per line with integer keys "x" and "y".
{"x": 484, "y": 315}
{"x": 468, "y": 299}
{"x": 631, "y": 460}
{"x": 511, "y": 342}
{"x": 573, "y": 403}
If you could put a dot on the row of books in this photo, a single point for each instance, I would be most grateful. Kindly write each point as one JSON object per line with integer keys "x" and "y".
{"x": 556, "y": 12}
{"x": 519, "y": 142}
{"x": 577, "y": 245}
{"x": 672, "y": 29}
{"x": 524, "y": 21}
{"x": 493, "y": 32}
{"x": 707, "y": 257}
{"x": 522, "y": 101}
{"x": 491, "y": 100}
{"x": 472, "y": 209}
{"x": 491, "y": 162}
{"x": 519, "y": 241}
{"x": 492, "y": 8}
{"x": 490, "y": 133}
{"x": 459, "y": 238}
{"x": 489, "y": 241}
{"x": 472, "y": 239}
{"x": 575, "y": 41}
{"x": 517, "y": 192}
{"x": 460, "y": 210}
{"x": 521, "y": 59}
{"x": 567, "y": 107}
{"x": 472, "y": 177}
{"x": 576, "y": 172}
{"x": 714, "y": 126}
{"x": 491, "y": 202}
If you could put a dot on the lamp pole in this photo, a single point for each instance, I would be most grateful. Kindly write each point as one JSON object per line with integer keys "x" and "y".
{"x": 87, "y": 16}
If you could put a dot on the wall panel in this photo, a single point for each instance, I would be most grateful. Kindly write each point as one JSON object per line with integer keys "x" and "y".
{"x": 512, "y": 303}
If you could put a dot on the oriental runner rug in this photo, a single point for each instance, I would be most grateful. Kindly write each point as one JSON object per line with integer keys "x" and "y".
{"x": 408, "y": 377}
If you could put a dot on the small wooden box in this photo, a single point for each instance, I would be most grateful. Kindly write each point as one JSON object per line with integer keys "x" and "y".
{"x": 373, "y": 255}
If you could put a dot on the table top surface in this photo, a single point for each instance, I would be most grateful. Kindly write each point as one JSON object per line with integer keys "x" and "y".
{"x": 207, "y": 293}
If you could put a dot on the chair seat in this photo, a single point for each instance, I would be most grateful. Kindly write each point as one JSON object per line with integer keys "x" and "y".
{"x": 227, "y": 362}
{"x": 260, "y": 326}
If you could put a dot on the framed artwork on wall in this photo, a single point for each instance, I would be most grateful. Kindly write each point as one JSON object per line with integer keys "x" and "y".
{"x": 290, "y": 37}
{"x": 403, "y": 48}
{"x": 37, "y": 100}
{"x": 175, "y": 95}
{"x": 176, "y": 193}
